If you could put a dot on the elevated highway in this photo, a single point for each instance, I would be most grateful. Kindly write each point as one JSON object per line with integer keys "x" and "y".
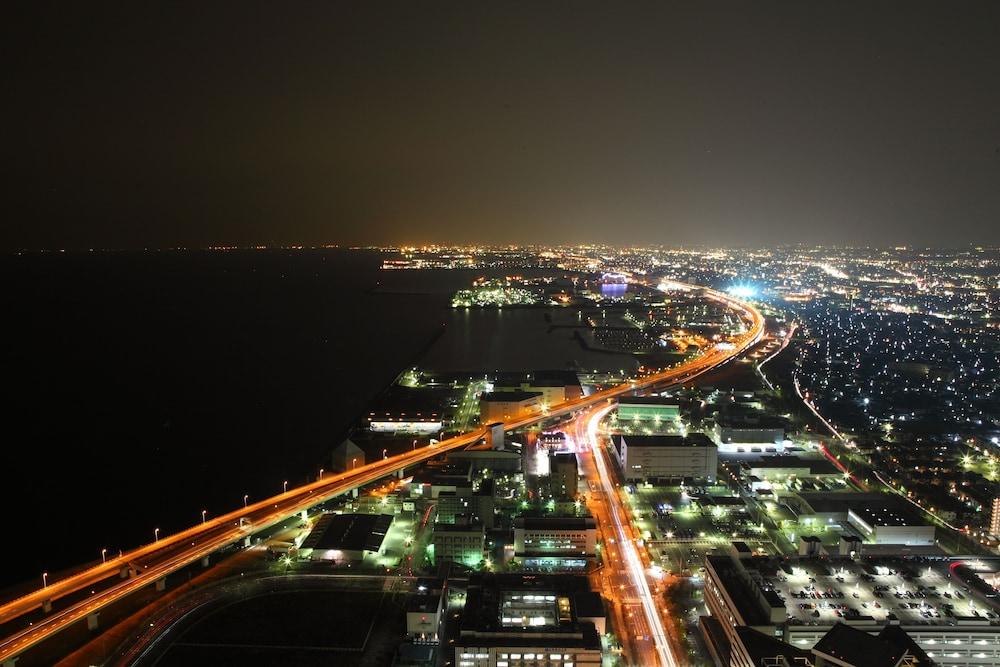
{"x": 152, "y": 562}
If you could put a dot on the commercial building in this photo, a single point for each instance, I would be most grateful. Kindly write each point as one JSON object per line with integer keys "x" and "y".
{"x": 667, "y": 457}
{"x": 461, "y": 542}
{"x": 648, "y": 408}
{"x": 563, "y": 474}
{"x": 508, "y": 406}
{"x": 526, "y": 621}
{"x": 345, "y": 538}
{"x": 554, "y": 541}
{"x": 995, "y": 518}
{"x": 799, "y": 601}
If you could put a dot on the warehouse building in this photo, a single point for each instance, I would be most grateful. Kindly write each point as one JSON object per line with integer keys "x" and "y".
{"x": 346, "y": 538}
{"x": 506, "y": 406}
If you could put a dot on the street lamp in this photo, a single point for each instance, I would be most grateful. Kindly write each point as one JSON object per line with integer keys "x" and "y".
{"x": 203, "y": 515}
{"x": 156, "y": 534}
{"x": 354, "y": 464}
{"x": 45, "y": 579}
{"x": 284, "y": 487}
{"x": 321, "y": 473}
{"x": 385, "y": 454}
{"x": 245, "y": 497}
{"x": 104, "y": 555}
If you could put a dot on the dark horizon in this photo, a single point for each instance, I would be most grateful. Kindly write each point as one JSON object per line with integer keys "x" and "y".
{"x": 397, "y": 124}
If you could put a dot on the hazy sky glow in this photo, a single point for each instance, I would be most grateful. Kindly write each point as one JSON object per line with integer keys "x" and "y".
{"x": 690, "y": 123}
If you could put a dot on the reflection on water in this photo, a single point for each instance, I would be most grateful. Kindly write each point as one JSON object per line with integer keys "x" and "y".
{"x": 516, "y": 339}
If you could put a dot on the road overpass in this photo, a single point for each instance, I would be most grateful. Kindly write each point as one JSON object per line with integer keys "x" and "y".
{"x": 151, "y": 563}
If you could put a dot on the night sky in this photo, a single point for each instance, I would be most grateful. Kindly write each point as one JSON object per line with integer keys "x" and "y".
{"x": 201, "y": 123}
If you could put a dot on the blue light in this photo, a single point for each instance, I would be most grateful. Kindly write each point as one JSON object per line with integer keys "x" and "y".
{"x": 742, "y": 291}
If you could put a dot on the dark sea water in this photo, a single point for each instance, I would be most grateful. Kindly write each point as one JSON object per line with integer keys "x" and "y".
{"x": 140, "y": 388}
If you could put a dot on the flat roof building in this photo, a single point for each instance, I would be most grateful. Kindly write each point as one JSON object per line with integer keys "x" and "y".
{"x": 343, "y": 538}
{"x": 506, "y": 406}
{"x": 667, "y": 457}
{"x": 800, "y": 600}
{"x": 526, "y": 621}
{"x": 648, "y": 408}
{"x": 554, "y": 541}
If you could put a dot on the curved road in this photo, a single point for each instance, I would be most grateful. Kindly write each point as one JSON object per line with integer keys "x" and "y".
{"x": 154, "y": 561}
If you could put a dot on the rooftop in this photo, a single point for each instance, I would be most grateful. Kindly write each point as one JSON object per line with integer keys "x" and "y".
{"x": 349, "y": 532}
{"x": 858, "y": 648}
{"x": 690, "y": 440}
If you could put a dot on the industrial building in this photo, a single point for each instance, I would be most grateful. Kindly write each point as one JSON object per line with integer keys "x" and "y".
{"x": 554, "y": 386}
{"x": 667, "y": 457}
{"x": 528, "y": 621}
{"x": 346, "y": 538}
{"x": 648, "y": 408}
{"x": 737, "y": 432}
{"x": 506, "y": 406}
{"x": 554, "y": 541}
{"x": 884, "y": 525}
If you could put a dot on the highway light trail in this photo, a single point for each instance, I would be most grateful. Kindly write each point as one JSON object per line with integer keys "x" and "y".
{"x": 169, "y": 553}
{"x": 627, "y": 547}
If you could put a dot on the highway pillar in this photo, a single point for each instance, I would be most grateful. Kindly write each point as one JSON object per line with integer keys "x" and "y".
{"x": 47, "y": 606}
{"x": 305, "y": 515}
{"x": 354, "y": 493}
{"x": 204, "y": 561}
{"x": 246, "y": 541}
{"x": 124, "y": 572}
{"x": 161, "y": 584}
{"x": 92, "y": 621}
{"x": 10, "y": 662}
{"x": 399, "y": 473}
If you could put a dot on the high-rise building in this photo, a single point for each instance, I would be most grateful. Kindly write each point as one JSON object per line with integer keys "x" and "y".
{"x": 995, "y": 517}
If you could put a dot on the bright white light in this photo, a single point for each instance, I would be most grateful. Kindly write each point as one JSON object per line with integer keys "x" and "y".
{"x": 742, "y": 291}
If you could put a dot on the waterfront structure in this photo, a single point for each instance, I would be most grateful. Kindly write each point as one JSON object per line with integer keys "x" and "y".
{"x": 526, "y": 621}
{"x": 555, "y": 541}
{"x": 798, "y": 601}
{"x": 505, "y": 406}
{"x": 667, "y": 457}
